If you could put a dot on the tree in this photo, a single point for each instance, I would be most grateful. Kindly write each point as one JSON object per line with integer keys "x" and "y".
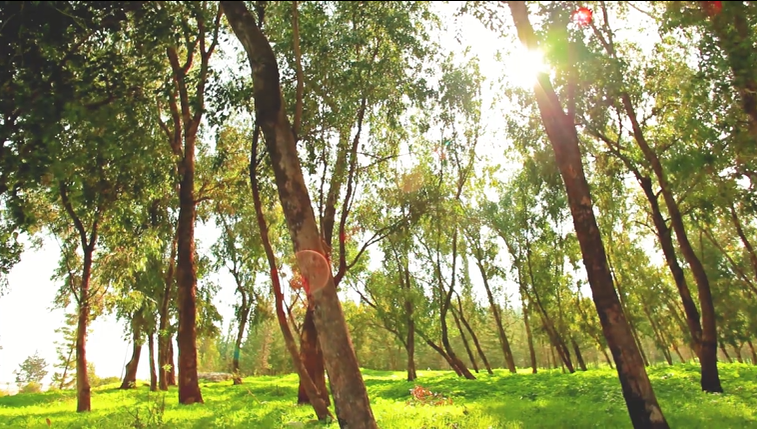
{"x": 559, "y": 126}
{"x": 32, "y": 370}
{"x": 350, "y": 396}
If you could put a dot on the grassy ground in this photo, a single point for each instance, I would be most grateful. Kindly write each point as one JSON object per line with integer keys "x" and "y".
{"x": 547, "y": 399}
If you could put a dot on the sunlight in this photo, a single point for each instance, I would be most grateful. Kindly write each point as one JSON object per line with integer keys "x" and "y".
{"x": 523, "y": 66}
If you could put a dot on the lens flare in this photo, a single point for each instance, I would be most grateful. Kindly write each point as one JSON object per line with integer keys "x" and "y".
{"x": 582, "y": 16}
{"x": 314, "y": 269}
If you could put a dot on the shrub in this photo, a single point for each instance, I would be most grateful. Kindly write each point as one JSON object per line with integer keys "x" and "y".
{"x": 32, "y": 387}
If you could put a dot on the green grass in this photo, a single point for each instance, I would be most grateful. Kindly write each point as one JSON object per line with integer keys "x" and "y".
{"x": 548, "y": 399}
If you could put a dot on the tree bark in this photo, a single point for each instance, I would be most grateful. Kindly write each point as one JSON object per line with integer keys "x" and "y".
{"x": 643, "y": 408}
{"x": 410, "y": 348}
{"x": 446, "y": 357}
{"x": 171, "y": 375}
{"x": 244, "y": 314}
{"x": 725, "y": 353}
{"x": 312, "y": 357}
{"x": 130, "y": 375}
{"x": 151, "y": 355}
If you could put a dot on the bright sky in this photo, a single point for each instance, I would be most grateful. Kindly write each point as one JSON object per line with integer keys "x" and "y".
{"x": 27, "y": 317}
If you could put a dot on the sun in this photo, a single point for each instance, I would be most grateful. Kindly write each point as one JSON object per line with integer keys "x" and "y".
{"x": 523, "y": 65}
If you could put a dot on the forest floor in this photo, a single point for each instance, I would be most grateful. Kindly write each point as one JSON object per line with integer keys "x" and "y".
{"x": 547, "y": 399}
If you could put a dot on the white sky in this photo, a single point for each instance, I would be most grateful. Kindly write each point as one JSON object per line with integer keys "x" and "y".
{"x": 27, "y": 323}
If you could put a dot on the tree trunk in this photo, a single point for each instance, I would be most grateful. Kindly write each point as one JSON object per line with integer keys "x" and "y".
{"x": 312, "y": 357}
{"x": 314, "y": 395}
{"x": 503, "y": 341}
{"x": 529, "y": 336}
{"x": 164, "y": 338}
{"x": 666, "y": 243}
{"x": 244, "y": 312}
{"x": 725, "y": 353}
{"x": 708, "y": 348}
{"x": 130, "y": 375}
{"x": 65, "y": 369}
{"x": 474, "y": 337}
{"x": 737, "y": 352}
{"x": 607, "y": 358}
{"x": 577, "y": 351}
{"x": 410, "y": 348}
{"x": 151, "y": 355}
{"x": 186, "y": 275}
{"x": 350, "y": 396}
{"x": 83, "y": 391}
{"x": 754, "y": 352}
{"x": 465, "y": 341}
{"x": 659, "y": 338}
{"x": 678, "y": 352}
{"x": 641, "y": 401}
{"x": 443, "y": 354}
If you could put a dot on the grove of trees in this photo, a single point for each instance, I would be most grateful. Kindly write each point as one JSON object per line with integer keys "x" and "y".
{"x": 381, "y": 199}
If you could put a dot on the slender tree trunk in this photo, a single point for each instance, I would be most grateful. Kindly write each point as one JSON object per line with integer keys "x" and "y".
{"x": 474, "y": 337}
{"x": 443, "y": 354}
{"x": 312, "y": 357}
{"x": 65, "y": 369}
{"x": 410, "y": 348}
{"x": 754, "y": 352}
{"x": 151, "y": 355}
{"x": 244, "y": 312}
{"x": 607, "y": 358}
{"x": 529, "y": 336}
{"x": 744, "y": 240}
{"x": 641, "y": 401}
{"x": 164, "y": 338}
{"x": 678, "y": 352}
{"x": 83, "y": 390}
{"x": 350, "y": 396}
{"x": 314, "y": 395}
{"x": 725, "y": 353}
{"x": 659, "y": 338}
{"x": 130, "y": 375}
{"x": 737, "y": 352}
{"x": 666, "y": 243}
{"x": 708, "y": 349}
{"x": 577, "y": 351}
{"x": 465, "y": 341}
{"x": 503, "y": 341}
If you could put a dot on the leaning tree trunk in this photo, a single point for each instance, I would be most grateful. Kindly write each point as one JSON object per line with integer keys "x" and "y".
{"x": 350, "y": 396}
{"x": 754, "y": 352}
{"x": 641, "y": 401}
{"x": 529, "y": 336}
{"x": 474, "y": 337}
{"x": 579, "y": 357}
{"x": 244, "y": 314}
{"x": 130, "y": 375}
{"x": 151, "y": 355}
{"x": 503, "y": 341}
{"x": 464, "y": 339}
{"x": 311, "y": 389}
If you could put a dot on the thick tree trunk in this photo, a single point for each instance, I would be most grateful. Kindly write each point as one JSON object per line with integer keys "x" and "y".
{"x": 151, "y": 356}
{"x": 529, "y": 336}
{"x": 350, "y": 396}
{"x": 579, "y": 357}
{"x": 83, "y": 391}
{"x": 130, "y": 375}
{"x": 312, "y": 357}
{"x": 164, "y": 338}
{"x": 186, "y": 276}
{"x": 503, "y": 341}
{"x": 643, "y": 408}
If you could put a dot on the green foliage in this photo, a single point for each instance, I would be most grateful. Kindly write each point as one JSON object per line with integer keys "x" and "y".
{"x": 31, "y": 371}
